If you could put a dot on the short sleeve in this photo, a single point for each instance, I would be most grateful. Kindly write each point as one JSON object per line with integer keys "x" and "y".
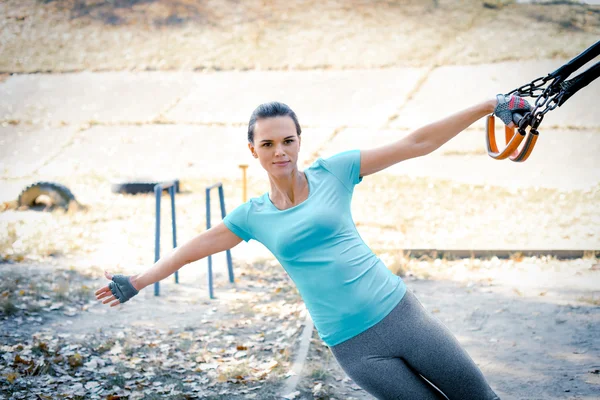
{"x": 346, "y": 167}
{"x": 237, "y": 221}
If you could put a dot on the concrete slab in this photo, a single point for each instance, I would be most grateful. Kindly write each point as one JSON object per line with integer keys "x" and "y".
{"x": 25, "y": 148}
{"x": 319, "y": 98}
{"x": 562, "y": 160}
{"x": 86, "y": 96}
{"x": 164, "y": 151}
{"x": 452, "y": 88}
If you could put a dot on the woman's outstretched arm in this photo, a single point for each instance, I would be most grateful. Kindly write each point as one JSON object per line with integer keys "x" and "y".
{"x": 217, "y": 239}
{"x": 424, "y": 140}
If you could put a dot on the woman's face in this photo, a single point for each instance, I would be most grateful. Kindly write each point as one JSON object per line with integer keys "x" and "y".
{"x": 276, "y": 145}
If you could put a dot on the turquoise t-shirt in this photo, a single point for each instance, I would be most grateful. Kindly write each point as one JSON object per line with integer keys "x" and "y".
{"x": 346, "y": 288}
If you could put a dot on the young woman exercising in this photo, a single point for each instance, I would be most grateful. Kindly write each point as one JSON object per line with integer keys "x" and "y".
{"x": 377, "y": 329}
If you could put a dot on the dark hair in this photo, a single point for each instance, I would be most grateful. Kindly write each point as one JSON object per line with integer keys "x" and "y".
{"x": 271, "y": 110}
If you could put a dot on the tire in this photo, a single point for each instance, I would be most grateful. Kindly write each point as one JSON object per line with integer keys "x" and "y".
{"x": 60, "y": 195}
{"x": 139, "y": 186}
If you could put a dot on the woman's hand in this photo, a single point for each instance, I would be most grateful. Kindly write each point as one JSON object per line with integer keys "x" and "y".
{"x": 118, "y": 291}
{"x": 510, "y": 109}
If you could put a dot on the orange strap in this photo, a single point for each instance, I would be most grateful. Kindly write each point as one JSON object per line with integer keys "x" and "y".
{"x": 511, "y": 151}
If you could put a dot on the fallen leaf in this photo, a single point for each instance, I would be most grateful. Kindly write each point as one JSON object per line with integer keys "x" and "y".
{"x": 75, "y": 360}
{"x": 11, "y": 377}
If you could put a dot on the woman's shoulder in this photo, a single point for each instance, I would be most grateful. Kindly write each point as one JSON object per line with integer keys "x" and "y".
{"x": 256, "y": 204}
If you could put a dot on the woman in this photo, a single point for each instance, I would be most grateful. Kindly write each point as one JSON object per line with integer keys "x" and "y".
{"x": 377, "y": 330}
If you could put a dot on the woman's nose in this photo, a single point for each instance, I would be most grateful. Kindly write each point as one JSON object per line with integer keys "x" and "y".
{"x": 279, "y": 150}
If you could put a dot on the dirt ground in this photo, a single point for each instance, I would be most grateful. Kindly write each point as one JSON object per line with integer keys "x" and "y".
{"x": 75, "y": 35}
{"x": 48, "y": 282}
{"x": 531, "y": 324}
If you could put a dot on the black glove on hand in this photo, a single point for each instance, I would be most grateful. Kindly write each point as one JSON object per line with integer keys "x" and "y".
{"x": 122, "y": 288}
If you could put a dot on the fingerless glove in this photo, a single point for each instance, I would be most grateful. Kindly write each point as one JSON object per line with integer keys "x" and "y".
{"x": 122, "y": 288}
{"x": 508, "y": 106}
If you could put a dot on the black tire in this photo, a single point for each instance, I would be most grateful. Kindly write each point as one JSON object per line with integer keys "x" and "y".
{"x": 139, "y": 186}
{"x": 60, "y": 195}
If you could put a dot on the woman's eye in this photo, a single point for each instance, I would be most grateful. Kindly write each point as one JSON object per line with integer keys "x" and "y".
{"x": 286, "y": 142}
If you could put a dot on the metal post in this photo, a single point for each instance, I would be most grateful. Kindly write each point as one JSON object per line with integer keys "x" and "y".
{"x": 210, "y": 278}
{"x": 223, "y": 213}
{"x": 158, "y": 194}
{"x": 174, "y": 224}
{"x": 244, "y": 191}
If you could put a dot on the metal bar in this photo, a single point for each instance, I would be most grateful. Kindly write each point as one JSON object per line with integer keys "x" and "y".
{"x": 228, "y": 252}
{"x": 157, "y": 194}
{"x": 158, "y": 188}
{"x": 166, "y": 184}
{"x": 174, "y": 224}
{"x": 244, "y": 167}
{"x": 210, "y": 277}
{"x": 214, "y": 186}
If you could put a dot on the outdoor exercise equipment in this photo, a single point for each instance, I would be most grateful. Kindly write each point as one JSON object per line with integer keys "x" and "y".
{"x": 218, "y": 185}
{"x": 171, "y": 186}
{"x": 547, "y": 98}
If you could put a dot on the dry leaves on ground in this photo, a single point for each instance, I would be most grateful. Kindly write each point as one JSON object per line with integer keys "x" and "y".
{"x": 243, "y": 353}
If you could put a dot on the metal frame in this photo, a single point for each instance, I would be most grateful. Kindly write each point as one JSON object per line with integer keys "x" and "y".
{"x": 223, "y": 213}
{"x": 171, "y": 185}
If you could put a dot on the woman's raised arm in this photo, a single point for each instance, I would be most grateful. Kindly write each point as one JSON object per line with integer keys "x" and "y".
{"x": 422, "y": 141}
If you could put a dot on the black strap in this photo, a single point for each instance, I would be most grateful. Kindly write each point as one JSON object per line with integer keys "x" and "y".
{"x": 589, "y": 54}
{"x": 570, "y": 87}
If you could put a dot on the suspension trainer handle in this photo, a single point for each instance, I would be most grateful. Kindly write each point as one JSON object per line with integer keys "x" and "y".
{"x": 547, "y": 99}
{"x": 511, "y": 151}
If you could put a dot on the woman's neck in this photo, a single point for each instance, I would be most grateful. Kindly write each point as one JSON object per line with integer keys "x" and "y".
{"x": 288, "y": 191}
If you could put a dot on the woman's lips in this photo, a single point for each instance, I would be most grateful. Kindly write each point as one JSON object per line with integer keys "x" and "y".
{"x": 281, "y": 164}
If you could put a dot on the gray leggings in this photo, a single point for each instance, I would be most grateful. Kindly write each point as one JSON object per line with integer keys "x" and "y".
{"x": 390, "y": 359}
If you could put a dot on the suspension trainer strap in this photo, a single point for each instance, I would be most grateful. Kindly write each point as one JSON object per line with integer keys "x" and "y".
{"x": 589, "y": 54}
{"x": 570, "y": 87}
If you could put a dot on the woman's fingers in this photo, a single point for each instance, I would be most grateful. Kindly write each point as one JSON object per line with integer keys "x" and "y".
{"x": 103, "y": 289}
{"x": 104, "y": 294}
{"x": 116, "y": 303}
{"x": 108, "y": 300}
{"x": 107, "y": 297}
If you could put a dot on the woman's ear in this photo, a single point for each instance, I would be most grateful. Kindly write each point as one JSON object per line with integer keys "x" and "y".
{"x": 251, "y": 147}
